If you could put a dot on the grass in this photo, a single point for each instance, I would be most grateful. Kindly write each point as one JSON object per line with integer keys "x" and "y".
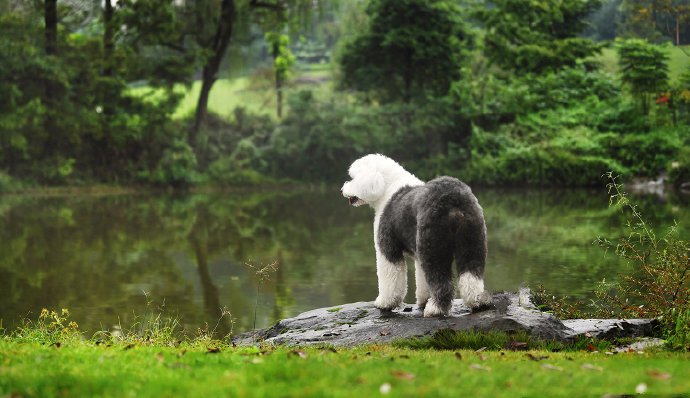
{"x": 256, "y": 95}
{"x": 82, "y": 368}
{"x": 50, "y": 357}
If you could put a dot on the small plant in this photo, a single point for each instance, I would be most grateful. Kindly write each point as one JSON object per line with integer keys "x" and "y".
{"x": 263, "y": 273}
{"x": 658, "y": 285}
{"x": 562, "y": 307}
{"x": 52, "y": 327}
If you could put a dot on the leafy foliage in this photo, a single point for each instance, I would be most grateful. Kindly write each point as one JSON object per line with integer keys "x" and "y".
{"x": 412, "y": 48}
{"x": 643, "y": 69}
{"x": 537, "y": 36}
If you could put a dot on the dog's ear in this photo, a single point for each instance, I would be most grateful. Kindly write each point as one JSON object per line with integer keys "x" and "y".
{"x": 373, "y": 187}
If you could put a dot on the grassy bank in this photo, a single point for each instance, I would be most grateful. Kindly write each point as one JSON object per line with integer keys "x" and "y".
{"x": 87, "y": 369}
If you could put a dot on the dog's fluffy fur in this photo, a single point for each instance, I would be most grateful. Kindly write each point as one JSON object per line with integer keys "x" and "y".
{"x": 434, "y": 222}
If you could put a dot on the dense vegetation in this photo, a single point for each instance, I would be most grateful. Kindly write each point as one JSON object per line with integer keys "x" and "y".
{"x": 90, "y": 90}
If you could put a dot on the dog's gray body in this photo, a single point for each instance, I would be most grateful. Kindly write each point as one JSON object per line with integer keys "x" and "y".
{"x": 436, "y": 223}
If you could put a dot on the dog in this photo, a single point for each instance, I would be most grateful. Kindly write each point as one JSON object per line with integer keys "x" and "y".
{"x": 434, "y": 222}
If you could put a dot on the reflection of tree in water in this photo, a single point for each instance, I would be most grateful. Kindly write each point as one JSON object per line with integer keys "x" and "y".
{"x": 96, "y": 255}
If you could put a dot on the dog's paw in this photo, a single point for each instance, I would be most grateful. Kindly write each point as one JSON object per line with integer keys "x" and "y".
{"x": 433, "y": 309}
{"x": 481, "y": 302}
{"x": 387, "y": 303}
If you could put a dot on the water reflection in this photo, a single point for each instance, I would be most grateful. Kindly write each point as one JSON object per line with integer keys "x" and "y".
{"x": 113, "y": 259}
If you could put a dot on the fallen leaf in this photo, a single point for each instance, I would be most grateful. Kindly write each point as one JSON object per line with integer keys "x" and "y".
{"x": 476, "y": 366}
{"x": 402, "y": 375}
{"x": 516, "y": 345}
{"x": 659, "y": 375}
{"x": 591, "y": 348}
{"x": 298, "y": 353}
{"x": 212, "y": 350}
{"x": 458, "y": 355}
{"x": 536, "y": 358}
{"x": 160, "y": 357}
{"x": 589, "y": 366}
{"x": 551, "y": 367}
{"x": 481, "y": 356}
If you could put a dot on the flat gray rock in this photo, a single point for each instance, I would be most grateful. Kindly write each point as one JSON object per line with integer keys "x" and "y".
{"x": 362, "y": 323}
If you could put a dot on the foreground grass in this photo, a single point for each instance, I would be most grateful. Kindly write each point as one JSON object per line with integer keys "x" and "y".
{"x": 82, "y": 368}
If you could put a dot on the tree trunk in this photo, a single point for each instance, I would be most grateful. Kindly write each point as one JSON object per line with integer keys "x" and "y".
{"x": 50, "y": 88}
{"x": 51, "y": 21}
{"x": 279, "y": 82}
{"x": 108, "y": 38}
{"x": 108, "y": 50}
{"x": 219, "y": 45}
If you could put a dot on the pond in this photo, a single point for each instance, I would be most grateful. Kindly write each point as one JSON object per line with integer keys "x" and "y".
{"x": 124, "y": 260}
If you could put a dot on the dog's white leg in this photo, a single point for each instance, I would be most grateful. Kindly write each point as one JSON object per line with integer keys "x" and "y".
{"x": 422, "y": 291}
{"x": 392, "y": 283}
{"x": 472, "y": 290}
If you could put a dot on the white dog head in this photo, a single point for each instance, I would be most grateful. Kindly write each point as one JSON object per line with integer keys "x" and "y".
{"x": 372, "y": 176}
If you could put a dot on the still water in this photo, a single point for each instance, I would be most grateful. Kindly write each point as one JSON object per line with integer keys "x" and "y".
{"x": 119, "y": 260}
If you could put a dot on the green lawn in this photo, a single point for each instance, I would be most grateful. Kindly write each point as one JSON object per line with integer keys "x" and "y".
{"x": 85, "y": 369}
{"x": 254, "y": 94}
{"x": 679, "y": 60}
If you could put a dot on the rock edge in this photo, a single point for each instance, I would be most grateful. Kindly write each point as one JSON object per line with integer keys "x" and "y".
{"x": 362, "y": 323}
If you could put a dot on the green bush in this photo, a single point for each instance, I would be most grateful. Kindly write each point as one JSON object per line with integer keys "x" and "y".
{"x": 7, "y": 183}
{"x": 648, "y": 154}
{"x": 241, "y": 167}
{"x": 679, "y": 168}
{"x": 177, "y": 166}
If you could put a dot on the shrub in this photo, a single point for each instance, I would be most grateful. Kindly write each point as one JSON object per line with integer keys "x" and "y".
{"x": 659, "y": 285}
{"x": 679, "y": 168}
{"x": 648, "y": 154}
{"x": 177, "y": 166}
{"x": 240, "y": 167}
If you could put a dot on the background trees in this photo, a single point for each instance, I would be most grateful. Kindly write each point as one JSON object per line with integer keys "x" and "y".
{"x": 496, "y": 92}
{"x": 537, "y": 36}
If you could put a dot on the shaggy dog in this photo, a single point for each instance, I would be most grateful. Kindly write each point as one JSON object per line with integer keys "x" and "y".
{"x": 434, "y": 222}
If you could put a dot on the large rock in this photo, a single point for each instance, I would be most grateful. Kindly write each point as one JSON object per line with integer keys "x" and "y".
{"x": 362, "y": 323}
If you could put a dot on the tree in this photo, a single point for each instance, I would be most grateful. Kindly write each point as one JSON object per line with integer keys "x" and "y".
{"x": 283, "y": 60}
{"x": 655, "y": 20}
{"x": 536, "y": 36}
{"x": 411, "y": 49}
{"x": 644, "y": 69}
{"x": 217, "y": 46}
